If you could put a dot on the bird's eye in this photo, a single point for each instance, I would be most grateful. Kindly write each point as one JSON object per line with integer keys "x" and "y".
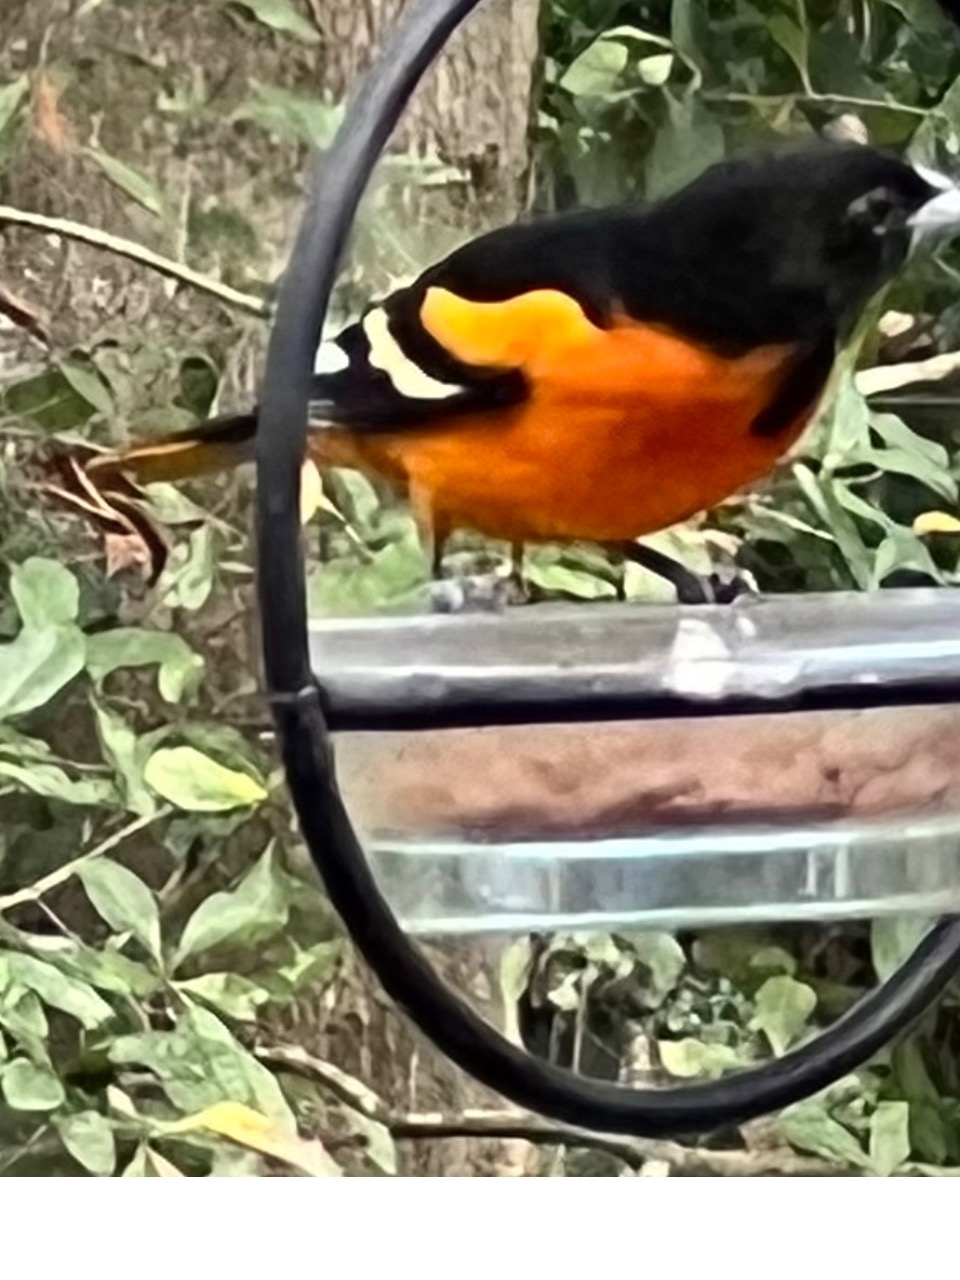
{"x": 876, "y": 210}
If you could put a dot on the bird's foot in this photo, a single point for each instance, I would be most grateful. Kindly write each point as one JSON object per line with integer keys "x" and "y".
{"x": 720, "y": 587}
{"x": 716, "y": 588}
{"x": 476, "y": 593}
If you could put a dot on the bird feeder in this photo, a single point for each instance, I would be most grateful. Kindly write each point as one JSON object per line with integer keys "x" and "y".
{"x": 599, "y": 767}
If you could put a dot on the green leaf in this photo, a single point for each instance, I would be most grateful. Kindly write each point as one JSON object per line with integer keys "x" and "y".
{"x": 255, "y": 910}
{"x": 808, "y": 1127}
{"x": 291, "y": 116}
{"x": 228, "y": 993}
{"x": 12, "y": 97}
{"x": 123, "y": 901}
{"x": 783, "y": 1009}
{"x": 662, "y": 957}
{"x": 905, "y": 462}
{"x": 56, "y": 988}
{"x": 49, "y": 400}
{"x": 21, "y": 1013}
{"x": 889, "y": 1137}
{"x": 693, "y": 1059}
{"x": 133, "y": 182}
{"x": 380, "y": 1148}
{"x": 46, "y": 594}
{"x": 859, "y": 507}
{"x": 895, "y": 434}
{"x": 200, "y": 1063}
{"x": 902, "y": 550}
{"x": 792, "y": 39}
{"x": 928, "y": 1132}
{"x": 22, "y": 747}
{"x": 688, "y": 141}
{"x": 27, "y": 1086}
{"x": 180, "y": 667}
{"x": 926, "y": 16}
{"x": 88, "y": 1136}
{"x": 199, "y": 379}
{"x": 557, "y": 580}
{"x": 773, "y": 960}
{"x": 37, "y": 665}
{"x": 283, "y": 16}
{"x": 912, "y": 1075}
{"x": 822, "y": 496}
{"x": 190, "y": 780}
{"x": 596, "y": 70}
{"x": 108, "y": 970}
{"x": 310, "y": 967}
{"x": 345, "y": 588}
{"x": 655, "y": 69}
{"x": 355, "y": 496}
{"x": 893, "y": 939}
{"x": 49, "y": 780}
{"x": 119, "y": 745}
{"x": 188, "y": 576}
{"x": 87, "y": 382}
{"x": 137, "y": 1168}
{"x": 843, "y": 427}
{"x": 170, "y": 505}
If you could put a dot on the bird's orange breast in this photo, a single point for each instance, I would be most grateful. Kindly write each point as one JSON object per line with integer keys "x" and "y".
{"x": 626, "y": 429}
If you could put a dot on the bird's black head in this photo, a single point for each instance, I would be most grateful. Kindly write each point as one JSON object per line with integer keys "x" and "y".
{"x": 800, "y": 240}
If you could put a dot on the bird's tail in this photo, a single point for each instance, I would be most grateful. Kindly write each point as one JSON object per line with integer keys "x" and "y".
{"x": 107, "y": 486}
{"x": 219, "y": 444}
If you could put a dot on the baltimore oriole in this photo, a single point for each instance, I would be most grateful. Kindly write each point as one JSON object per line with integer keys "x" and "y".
{"x": 603, "y": 374}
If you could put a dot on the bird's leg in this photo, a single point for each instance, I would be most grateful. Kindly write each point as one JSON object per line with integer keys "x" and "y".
{"x": 463, "y": 593}
{"x": 516, "y": 587}
{"x": 691, "y": 588}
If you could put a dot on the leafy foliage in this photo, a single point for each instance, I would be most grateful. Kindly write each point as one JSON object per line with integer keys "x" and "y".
{"x": 150, "y": 914}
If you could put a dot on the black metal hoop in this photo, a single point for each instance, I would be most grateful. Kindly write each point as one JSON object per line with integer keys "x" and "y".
{"x": 297, "y": 703}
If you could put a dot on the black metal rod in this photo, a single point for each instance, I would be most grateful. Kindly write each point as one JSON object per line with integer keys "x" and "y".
{"x": 356, "y": 711}
{"x": 307, "y": 752}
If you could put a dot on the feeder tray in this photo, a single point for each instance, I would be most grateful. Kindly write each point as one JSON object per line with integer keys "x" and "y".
{"x": 464, "y": 774}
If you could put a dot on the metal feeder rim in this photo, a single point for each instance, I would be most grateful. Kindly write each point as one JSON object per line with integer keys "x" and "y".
{"x": 297, "y": 703}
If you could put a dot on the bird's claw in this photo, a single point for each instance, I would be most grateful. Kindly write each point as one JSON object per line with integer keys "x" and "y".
{"x": 477, "y": 593}
{"x": 717, "y": 588}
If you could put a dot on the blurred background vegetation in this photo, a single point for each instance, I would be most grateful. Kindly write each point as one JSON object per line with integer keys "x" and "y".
{"x": 175, "y": 997}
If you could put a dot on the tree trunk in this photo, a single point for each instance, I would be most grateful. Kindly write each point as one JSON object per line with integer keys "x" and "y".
{"x": 472, "y": 108}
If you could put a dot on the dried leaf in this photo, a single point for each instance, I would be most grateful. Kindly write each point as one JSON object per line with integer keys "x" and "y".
{"x": 935, "y": 522}
{"x": 126, "y": 551}
{"x": 133, "y": 182}
{"x": 249, "y": 1128}
{"x": 48, "y": 121}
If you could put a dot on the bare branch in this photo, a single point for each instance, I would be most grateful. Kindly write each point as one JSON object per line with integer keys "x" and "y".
{"x": 891, "y": 377}
{"x": 24, "y": 316}
{"x": 634, "y": 1152}
{"x": 343, "y": 1086}
{"x": 61, "y": 874}
{"x": 138, "y": 253}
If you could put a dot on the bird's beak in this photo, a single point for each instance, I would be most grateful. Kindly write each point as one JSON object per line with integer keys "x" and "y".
{"x": 941, "y": 213}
